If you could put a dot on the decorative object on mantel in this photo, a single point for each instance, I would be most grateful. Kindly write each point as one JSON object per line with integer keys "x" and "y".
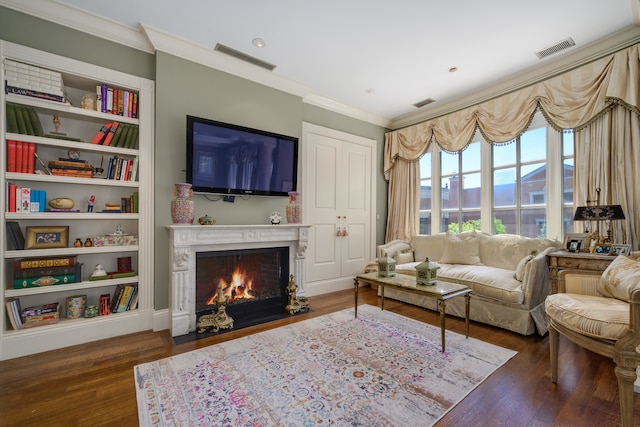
{"x": 182, "y": 207}
{"x": 294, "y": 208}
{"x": 275, "y": 218}
{"x": 206, "y": 220}
{"x": 386, "y": 267}
{"x": 427, "y": 273}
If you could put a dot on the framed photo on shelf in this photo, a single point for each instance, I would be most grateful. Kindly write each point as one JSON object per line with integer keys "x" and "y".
{"x": 620, "y": 249}
{"x": 47, "y": 237}
{"x": 602, "y": 250}
{"x": 576, "y": 242}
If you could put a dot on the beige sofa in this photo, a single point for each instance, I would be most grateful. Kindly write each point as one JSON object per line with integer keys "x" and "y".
{"x": 508, "y": 274}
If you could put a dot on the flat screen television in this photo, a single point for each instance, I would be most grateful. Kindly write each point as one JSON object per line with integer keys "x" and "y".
{"x": 223, "y": 158}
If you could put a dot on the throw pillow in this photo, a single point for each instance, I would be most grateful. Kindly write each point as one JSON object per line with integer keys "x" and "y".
{"x": 519, "y": 273}
{"x": 461, "y": 249}
{"x": 620, "y": 278}
{"x": 404, "y": 257}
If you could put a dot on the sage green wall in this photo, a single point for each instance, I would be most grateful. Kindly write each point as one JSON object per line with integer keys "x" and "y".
{"x": 184, "y": 87}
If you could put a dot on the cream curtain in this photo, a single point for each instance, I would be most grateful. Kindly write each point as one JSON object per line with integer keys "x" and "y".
{"x": 403, "y": 220}
{"x": 573, "y": 100}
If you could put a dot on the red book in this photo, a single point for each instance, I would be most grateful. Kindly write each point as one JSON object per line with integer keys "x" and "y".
{"x": 19, "y": 150}
{"x": 31, "y": 158}
{"x": 114, "y": 103}
{"x": 24, "y": 166}
{"x": 11, "y": 156}
{"x": 12, "y": 197}
{"x": 110, "y": 133}
{"x": 98, "y": 137}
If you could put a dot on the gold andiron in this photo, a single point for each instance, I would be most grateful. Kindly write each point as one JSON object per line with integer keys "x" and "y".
{"x": 220, "y": 320}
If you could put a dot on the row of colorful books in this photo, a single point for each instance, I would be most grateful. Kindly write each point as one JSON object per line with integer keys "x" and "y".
{"x": 116, "y": 134}
{"x": 68, "y": 167}
{"x": 121, "y": 169}
{"x": 116, "y": 101}
{"x": 125, "y": 298}
{"x": 24, "y": 199}
{"x": 31, "y": 317}
{"x": 38, "y": 272}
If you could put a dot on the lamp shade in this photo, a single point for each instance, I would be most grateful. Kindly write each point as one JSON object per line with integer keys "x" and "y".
{"x": 598, "y": 213}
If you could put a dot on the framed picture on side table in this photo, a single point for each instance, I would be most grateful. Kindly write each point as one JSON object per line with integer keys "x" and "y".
{"x": 603, "y": 249}
{"x": 576, "y": 242}
{"x": 47, "y": 237}
{"x": 620, "y": 249}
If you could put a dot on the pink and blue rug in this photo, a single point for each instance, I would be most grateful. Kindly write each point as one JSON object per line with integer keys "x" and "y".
{"x": 381, "y": 369}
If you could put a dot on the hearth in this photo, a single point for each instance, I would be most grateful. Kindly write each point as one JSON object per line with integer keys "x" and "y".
{"x": 191, "y": 244}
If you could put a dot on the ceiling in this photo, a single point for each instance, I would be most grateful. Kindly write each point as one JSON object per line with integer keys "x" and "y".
{"x": 373, "y": 58}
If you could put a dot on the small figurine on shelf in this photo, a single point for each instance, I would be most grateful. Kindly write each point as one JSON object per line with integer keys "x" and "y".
{"x": 99, "y": 271}
{"x": 88, "y": 243}
{"x": 78, "y": 243}
{"x": 92, "y": 201}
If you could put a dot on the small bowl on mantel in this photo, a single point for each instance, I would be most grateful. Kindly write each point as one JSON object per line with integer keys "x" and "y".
{"x": 206, "y": 220}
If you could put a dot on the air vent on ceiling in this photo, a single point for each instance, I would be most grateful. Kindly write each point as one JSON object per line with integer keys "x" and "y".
{"x": 424, "y": 102}
{"x": 244, "y": 57}
{"x": 564, "y": 44}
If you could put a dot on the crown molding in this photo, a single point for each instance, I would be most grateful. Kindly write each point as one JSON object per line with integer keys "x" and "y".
{"x": 345, "y": 110}
{"x": 80, "y": 20}
{"x": 575, "y": 59}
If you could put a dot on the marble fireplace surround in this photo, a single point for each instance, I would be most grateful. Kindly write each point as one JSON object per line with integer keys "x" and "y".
{"x": 186, "y": 240}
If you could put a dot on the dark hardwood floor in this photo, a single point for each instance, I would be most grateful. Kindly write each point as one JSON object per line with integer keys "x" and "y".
{"x": 93, "y": 384}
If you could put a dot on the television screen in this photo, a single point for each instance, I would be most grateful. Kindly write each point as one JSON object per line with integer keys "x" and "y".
{"x": 228, "y": 159}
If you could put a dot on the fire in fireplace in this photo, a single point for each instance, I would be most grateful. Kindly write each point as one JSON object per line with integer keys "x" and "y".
{"x": 253, "y": 282}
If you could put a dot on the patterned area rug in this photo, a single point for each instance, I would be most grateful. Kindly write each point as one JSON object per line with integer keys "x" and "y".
{"x": 381, "y": 369}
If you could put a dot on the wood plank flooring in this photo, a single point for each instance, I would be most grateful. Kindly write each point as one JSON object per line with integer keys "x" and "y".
{"x": 93, "y": 384}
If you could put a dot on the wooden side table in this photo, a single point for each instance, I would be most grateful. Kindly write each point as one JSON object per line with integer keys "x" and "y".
{"x": 562, "y": 260}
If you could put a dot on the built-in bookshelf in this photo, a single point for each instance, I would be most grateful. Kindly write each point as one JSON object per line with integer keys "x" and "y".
{"x": 62, "y": 132}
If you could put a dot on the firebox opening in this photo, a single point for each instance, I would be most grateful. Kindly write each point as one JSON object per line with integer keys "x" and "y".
{"x": 253, "y": 283}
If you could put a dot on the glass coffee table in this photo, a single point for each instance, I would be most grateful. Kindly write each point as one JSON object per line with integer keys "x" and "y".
{"x": 440, "y": 290}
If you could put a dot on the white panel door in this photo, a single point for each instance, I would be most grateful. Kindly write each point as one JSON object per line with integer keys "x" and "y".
{"x": 337, "y": 196}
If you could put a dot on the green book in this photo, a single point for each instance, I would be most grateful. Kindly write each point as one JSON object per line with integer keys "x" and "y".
{"x": 12, "y": 121}
{"x": 132, "y": 138}
{"x": 27, "y": 121}
{"x": 22, "y": 127}
{"x": 118, "y": 135}
{"x": 123, "y": 137}
{"x": 37, "y": 282}
{"x": 35, "y": 122}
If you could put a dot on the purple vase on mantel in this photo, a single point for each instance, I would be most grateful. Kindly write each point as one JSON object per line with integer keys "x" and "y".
{"x": 294, "y": 208}
{"x": 182, "y": 209}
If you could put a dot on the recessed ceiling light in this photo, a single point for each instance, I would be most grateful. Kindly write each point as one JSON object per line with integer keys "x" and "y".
{"x": 453, "y": 69}
{"x": 370, "y": 91}
{"x": 258, "y": 42}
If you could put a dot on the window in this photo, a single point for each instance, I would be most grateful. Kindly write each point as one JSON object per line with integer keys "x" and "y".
{"x": 425, "y": 193}
{"x": 520, "y": 184}
{"x": 530, "y": 190}
{"x": 460, "y": 189}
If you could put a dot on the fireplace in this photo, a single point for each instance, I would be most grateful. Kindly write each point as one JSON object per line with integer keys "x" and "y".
{"x": 191, "y": 245}
{"x": 252, "y": 282}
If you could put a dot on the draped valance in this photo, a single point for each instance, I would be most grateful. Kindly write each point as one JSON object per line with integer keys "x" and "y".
{"x": 569, "y": 101}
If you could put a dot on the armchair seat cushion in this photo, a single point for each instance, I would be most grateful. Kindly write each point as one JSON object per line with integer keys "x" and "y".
{"x": 594, "y": 316}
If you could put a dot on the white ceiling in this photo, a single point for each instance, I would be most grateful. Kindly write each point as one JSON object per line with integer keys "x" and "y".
{"x": 341, "y": 50}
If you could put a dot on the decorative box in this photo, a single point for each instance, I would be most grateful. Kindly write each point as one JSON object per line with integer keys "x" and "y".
{"x": 386, "y": 267}
{"x": 115, "y": 240}
{"x": 427, "y": 273}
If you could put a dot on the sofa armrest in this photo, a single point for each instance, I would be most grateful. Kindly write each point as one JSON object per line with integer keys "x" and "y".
{"x": 390, "y": 249}
{"x": 536, "y": 283}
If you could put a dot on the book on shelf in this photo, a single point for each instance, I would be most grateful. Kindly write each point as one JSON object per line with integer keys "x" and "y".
{"x": 101, "y": 134}
{"x": 37, "y": 310}
{"x": 113, "y": 275}
{"x": 115, "y": 300}
{"x": 62, "y": 261}
{"x": 23, "y": 120}
{"x": 35, "y": 94}
{"x": 11, "y": 155}
{"x": 125, "y": 298}
{"x": 11, "y": 197}
{"x": 98, "y": 97}
{"x": 37, "y": 282}
{"x": 12, "y": 120}
{"x": 47, "y": 314}
{"x": 38, "y": 200}
{"x": 13, "y": 312}
{"x": 45, "y": 271}
{"x": 118, "y": 134}
{"x": 109, "y": 136}
{"x": 109, "y": 103}
{"x": 21, "y": 156}
{"x": 15, "y": 238}
{"x": 104, "y": 305}
{"x": 25, "y": 200}
{"x": 73, "y": 173}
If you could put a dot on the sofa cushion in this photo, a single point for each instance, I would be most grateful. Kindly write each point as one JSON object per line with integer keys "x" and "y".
{"x": 620, "y": 278}
{"x": 461, "y": 249}
{"x": 599, "y": 317}
{"x": 491, "y": 282}
{"x": 404, "y": 257}
{"x": 428, "y": 246}
{"x": 520, "y": 269}
{"x": 507, "y": 250}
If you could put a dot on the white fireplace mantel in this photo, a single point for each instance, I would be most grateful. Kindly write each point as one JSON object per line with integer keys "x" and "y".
{"x": 186, "y": 240}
